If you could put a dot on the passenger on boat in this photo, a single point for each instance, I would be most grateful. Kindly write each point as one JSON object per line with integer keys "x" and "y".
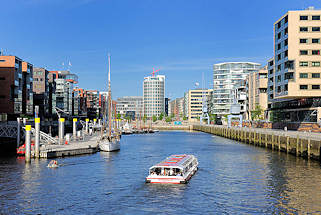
{"x": 171, "y": 172}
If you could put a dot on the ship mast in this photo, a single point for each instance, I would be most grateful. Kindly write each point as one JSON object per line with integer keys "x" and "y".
{"x": 109, "y": 99}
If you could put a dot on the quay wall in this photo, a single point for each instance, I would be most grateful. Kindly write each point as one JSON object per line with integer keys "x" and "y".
{"x": 172, "y": 127}
{"x": 298, "y": 145}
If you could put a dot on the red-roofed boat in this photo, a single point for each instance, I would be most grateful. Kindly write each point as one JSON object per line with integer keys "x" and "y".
{"x": 176, "y": 169}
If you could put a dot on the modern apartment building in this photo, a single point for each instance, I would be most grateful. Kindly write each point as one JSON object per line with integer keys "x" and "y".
{"x": 294, "y": 86}
{"x": 227, "y": 76}
{"x": 130, "y": 106}
{"x": 154, "y": 95}
{"x": 79, "y": 107}
{"x": 92, "y": 103}
{"x": 64, "y": 88}
{"x": 256, "y": 85}
{"x": 16, "y": 95}
{"x": 195, "y": 101}
{"x": 177, "y": 107}
{"x": 27, "y": 92}
{"x": 41, "y": 91}
{"x": 242, "y": 98}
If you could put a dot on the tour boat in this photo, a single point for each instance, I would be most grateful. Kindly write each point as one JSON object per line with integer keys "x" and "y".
{"x": 176, "y": 169}
{"x": 109, "y": 142}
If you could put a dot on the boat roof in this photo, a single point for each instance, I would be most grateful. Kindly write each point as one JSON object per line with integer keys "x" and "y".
{"x": 174, "y": 161}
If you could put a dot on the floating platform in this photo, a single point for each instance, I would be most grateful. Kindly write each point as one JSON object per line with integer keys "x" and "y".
{"x": 81, "y": 147}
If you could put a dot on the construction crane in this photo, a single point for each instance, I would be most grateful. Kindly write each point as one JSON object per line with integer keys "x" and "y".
{"x": 154, "y": 71}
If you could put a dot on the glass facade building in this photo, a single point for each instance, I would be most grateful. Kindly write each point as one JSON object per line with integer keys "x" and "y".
{"x": 227, "y": 76}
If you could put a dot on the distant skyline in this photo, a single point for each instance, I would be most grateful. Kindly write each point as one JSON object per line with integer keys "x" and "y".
{"x": 181, "y": 38}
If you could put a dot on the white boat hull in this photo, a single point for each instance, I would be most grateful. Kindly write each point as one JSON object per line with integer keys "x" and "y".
{"x": 108, "y": 146}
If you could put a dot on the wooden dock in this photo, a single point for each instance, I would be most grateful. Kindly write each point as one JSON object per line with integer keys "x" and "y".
{"x": 87, "y": 146}
{"x": 307, "y": 145}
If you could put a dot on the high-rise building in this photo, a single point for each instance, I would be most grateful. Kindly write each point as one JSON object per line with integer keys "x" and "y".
{"x": 195, "y": 101}
{"x": 294, "y": 84}
{"x": 131, "y": 106}
{"x": 227, "y": 76}
{"x": 16, "y": 95}
{"x": 154, "y": 95}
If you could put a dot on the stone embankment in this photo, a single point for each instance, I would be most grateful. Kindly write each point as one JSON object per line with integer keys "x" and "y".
{"x": 301, "y": 144}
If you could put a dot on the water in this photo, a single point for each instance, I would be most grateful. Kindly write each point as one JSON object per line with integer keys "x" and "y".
{"x": 233, "y": 178}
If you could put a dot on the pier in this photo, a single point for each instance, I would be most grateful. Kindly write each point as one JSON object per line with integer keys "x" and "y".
{"x": 300, "y": 144}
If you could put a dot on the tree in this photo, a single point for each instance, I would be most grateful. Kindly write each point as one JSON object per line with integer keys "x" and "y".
{"x": 257, "y": 113}
{"x": 154, "y": 118}
{"x": 168, "y": 119}
{"x": 212, "y": 117}
{"x": 118, "y": 116}
{"x": 161, "y": 116}
{"x": 144, "y": 118}
{"x": 184, "y": 118}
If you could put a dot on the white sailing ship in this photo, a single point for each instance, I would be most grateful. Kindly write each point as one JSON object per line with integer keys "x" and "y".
{"x": 109, "y": 141}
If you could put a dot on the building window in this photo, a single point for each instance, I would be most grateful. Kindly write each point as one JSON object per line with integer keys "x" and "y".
{"x": 315, "y": 17}
{"x": 314, "y": 29}
{"x": 286, "y": 31}
{"x": 286, "y": 53}
{"x": 279, "y": 46}
{"x": 279, "y": 56}
{"x": 303, "y": 63}
{"x": 285, "y": 42}
{"x": 279, "y": 89}
{"x": 303, "y": 52}
{"x": 279, "y": 67}
{"x": 303, "y": 87}
{"x": 315, "y": 52}
{"x": 2, "y": 78}
{"x": 315, "y": 40}
{"x": 303, "y": 17}
{"x": 279, "y": 25}
{"x": 286, "y": 87}
{"x": 279, "y": 78}
{"x": 303, "y": 29}
{"x": 303, "y": 75}
{"x": 286, "y": 19}
{"x": 2, "y": 97}
{"x": 303, "y": 40}
{"x": 2, "y": 60}
{"x": 315, "y": 75}
{"x": 279, "y": 35}
{"x": 316, "y": 63}
{"x": 315, "y": 87}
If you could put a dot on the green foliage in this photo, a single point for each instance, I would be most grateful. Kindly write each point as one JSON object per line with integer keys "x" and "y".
{"x": 184, "y": 118}
{"x": 118, "y": 116}
{"x": 168, "y": 119}
{"x": 212, "y": 117}
{"x": 144, "y": 118}
{"x": 161, "y": 116}
{"x": 257, "y": 113}
{"x": 172, "y": 115}
{"x": 154, "y": 118}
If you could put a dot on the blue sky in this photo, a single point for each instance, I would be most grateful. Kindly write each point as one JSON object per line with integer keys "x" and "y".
{"x": 182, "y": 38}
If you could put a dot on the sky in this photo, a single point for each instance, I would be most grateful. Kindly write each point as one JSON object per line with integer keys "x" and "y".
{"x": 182, "y": 38}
